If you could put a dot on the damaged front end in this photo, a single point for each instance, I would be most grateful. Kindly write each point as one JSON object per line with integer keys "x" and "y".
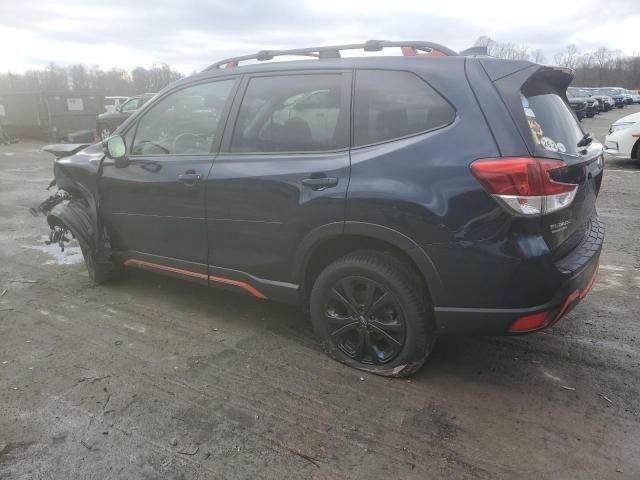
{"x": 73, "y": 211}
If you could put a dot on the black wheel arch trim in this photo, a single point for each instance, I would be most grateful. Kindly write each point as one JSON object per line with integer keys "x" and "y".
{"x": 77, "y": 217}
{"x": 374, "y": 231}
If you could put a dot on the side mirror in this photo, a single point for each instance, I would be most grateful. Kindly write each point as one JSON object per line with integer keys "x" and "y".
{"x": 116, "y": 149}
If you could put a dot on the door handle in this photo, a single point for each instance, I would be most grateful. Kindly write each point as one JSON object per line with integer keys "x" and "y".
{"x": 320, "y": 183}
{"x": 189, "y": 177}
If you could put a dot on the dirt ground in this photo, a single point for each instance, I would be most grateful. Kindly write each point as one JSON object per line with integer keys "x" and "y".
{"x": 155, "y": 378}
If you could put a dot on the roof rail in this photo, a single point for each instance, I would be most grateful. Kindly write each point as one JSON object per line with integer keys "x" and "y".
{"x": 409, "y": 48}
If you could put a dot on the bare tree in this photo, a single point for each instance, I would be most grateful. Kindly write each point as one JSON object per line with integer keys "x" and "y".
{"x": 510, "y": 51}
{"x": 538, "y": 55}
{"x": 569, "y": 57}
{"x": 484, "y": 41}
{"x": 79, "y": 77}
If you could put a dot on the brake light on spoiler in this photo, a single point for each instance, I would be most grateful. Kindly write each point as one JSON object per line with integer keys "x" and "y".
{"x": 524, "y": 184}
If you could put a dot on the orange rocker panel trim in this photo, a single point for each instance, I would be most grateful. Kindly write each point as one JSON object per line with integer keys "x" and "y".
{"x": 213, "y": 278}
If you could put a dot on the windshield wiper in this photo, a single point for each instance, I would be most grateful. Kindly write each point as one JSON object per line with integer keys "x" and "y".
{"x": 586, "y": 140}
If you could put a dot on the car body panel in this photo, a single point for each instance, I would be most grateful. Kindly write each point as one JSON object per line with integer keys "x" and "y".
{"x": 258, "y": 208}
{"x": 251, "y": 224}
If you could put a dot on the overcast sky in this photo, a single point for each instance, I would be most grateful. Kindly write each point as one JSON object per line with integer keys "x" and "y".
{"x": 190, "y": 34}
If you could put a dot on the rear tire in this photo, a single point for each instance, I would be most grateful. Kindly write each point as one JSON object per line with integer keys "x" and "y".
{"x": 369, "y": 312}
{"x": 636, "y": 147}
{"x": 101, "y": 273}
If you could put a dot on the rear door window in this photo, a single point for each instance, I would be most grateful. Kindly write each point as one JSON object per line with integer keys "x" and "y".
{"x": 293, "y": 113}
{"x": 553, "y": 126}
{"x": 394, "y": 104}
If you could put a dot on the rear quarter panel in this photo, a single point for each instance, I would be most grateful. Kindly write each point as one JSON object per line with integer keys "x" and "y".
{"x": 421, "y": 186}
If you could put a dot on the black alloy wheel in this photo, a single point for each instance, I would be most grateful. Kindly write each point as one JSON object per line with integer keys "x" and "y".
{"x": 365, "y": 320}
{"x": 370, "y": 310}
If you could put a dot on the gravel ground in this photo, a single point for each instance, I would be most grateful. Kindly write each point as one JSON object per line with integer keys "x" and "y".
{"x": 155, "y": 378}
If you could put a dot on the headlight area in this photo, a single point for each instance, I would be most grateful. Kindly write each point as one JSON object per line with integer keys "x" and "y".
{"x": 620, "y": 126}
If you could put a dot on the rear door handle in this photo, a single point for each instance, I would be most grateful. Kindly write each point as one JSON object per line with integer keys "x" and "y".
{"x": 320, "y": 183}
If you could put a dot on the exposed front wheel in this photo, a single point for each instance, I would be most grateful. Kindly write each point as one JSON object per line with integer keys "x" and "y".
{"x": 101, "y": 272}
{"x": 369, "y": 312}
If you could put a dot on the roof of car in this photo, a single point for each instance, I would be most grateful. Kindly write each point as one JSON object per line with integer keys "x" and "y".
{"x": 496, "y": 68}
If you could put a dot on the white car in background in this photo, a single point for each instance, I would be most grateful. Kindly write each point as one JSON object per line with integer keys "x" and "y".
{"x": 111, "y": 104}
{"x": 634, "y": 96}
{"x": 624, "y": 137}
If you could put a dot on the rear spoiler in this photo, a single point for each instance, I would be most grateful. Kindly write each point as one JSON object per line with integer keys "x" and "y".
{"x": 65, "y": 149}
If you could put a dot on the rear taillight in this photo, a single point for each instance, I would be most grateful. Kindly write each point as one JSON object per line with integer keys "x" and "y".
{"x": 524, "y": 184}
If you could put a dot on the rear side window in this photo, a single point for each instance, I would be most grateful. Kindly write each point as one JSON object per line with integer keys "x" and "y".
{"x": 553, "y": 126}
{"x": 392, "y": 104}
{"x": 293, "y": 113}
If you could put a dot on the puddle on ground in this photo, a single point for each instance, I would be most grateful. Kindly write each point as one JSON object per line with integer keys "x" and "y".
{"x": 71, "y": 255}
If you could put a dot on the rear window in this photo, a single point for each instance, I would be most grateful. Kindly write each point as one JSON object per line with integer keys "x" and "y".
{"x": 392, "y": 104}
{"x": 553, "y": 126}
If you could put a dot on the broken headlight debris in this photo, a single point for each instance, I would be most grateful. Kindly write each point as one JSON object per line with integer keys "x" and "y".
{"x": 58, "y": 235}
{"x": 46, "y": 206}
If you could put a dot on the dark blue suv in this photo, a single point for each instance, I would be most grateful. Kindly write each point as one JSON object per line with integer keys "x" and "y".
{"x": 397, "y": 198}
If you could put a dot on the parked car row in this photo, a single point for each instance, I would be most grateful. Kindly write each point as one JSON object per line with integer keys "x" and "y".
{"x": 587, "y": 102}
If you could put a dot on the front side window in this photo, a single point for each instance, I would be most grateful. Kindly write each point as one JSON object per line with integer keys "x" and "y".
{"x": 184, "y": 122}
{"x": 392, "y": 104}
{"x": 293, "y": 113}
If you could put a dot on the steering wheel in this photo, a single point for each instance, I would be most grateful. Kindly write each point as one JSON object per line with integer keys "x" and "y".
{"x": 154, "y": 144}
{"x": 178, "y": 147}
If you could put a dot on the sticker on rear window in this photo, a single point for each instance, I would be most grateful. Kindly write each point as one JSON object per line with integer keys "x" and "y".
{"x": 536, "y": 129}
{"x": 561, "y": 147}
{"x": 549, "y": 144}
{"x": 534, "y": 126}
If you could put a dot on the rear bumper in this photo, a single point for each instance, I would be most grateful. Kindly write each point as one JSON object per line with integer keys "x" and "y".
{"x": 578, "y": 269}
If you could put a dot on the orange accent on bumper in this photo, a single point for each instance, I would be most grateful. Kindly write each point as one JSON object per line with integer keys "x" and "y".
{"x": 529, "y": 322}
{"x": 576, "y": 294}
{"x": 237, "y": 283}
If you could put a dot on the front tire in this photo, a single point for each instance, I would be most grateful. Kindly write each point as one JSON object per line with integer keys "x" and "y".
{"x": 101, "y": 273}
{"x": 369, "y": 311}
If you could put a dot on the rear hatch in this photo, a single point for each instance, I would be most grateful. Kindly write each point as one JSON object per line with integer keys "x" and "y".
{"x": 537, "y": 100}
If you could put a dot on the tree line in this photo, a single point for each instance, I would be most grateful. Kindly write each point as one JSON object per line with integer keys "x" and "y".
{"x": 79, "y": 78}
{"x": 600, "y": 68}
